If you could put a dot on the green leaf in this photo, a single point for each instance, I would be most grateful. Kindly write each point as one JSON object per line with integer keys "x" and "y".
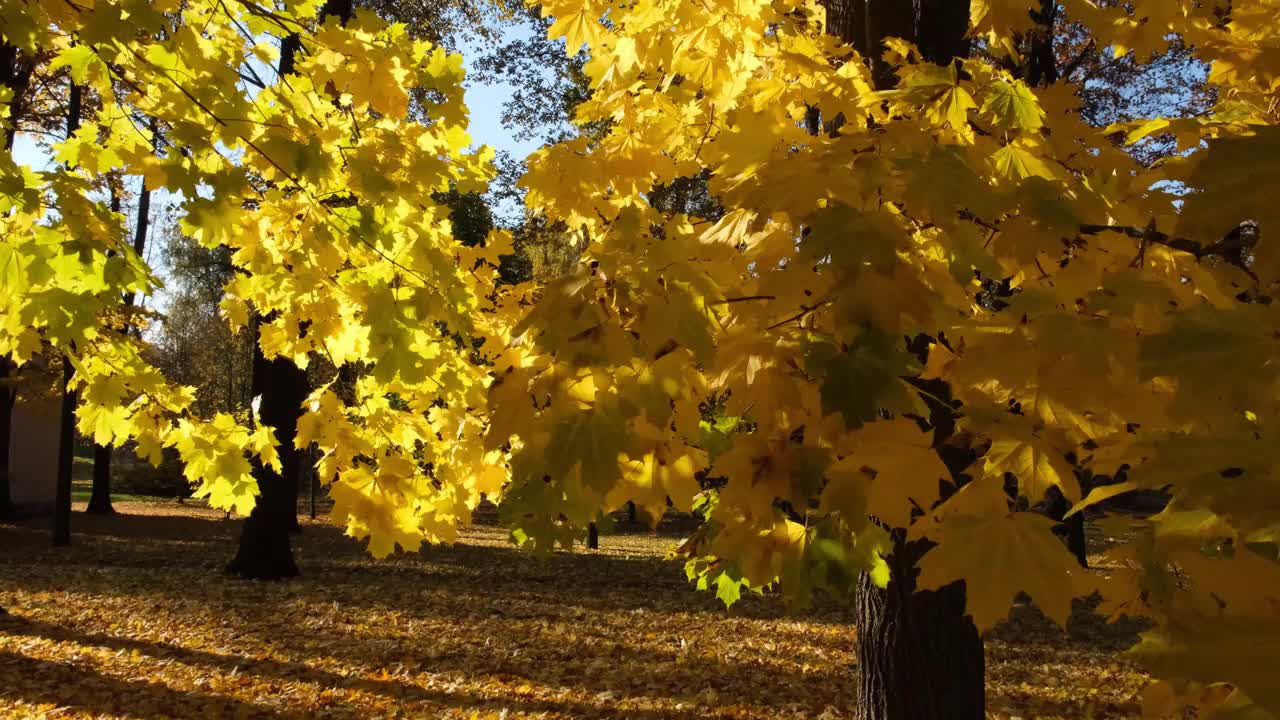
{"x": 728, "y": 589}
{"x": 1012, "y": 105}
{"x": 78, "y": 59}
{"x": 1013, "y": 161}
{"x": 590, "y": 440}
{"x": 865, "y": 378}
{"x": 954, "y": 107}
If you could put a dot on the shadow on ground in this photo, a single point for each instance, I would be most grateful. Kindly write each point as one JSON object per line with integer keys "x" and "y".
{"x": 136, "y": 617}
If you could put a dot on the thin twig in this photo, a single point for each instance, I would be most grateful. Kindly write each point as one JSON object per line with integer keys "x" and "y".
{"x": 748, "y": 298}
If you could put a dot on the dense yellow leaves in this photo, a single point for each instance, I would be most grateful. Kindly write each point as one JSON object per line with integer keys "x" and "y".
{"x": 962, "y": 205}
{"x": 999, "y": 556}
{"x": 1037, "y": 468}
{"x": 322, "y": 187}
{"x": 956, "y": 267}
{"x": 894, "y": 468}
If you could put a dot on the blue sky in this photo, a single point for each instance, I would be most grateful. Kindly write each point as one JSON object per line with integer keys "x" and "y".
{"x": 485, "y": 101}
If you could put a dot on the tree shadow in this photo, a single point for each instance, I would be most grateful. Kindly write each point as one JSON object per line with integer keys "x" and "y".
{"x": 69, "y": 685}
{"x": 567, "y": 623}
{"x": 75, "y": 686}
{"x": 599, "y": 582}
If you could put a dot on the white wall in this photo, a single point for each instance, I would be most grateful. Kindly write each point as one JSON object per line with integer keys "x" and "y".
{"x": 33, "y": 452}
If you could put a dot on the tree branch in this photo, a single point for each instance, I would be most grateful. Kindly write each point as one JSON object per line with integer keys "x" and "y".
{"x": 1150, "y": 235}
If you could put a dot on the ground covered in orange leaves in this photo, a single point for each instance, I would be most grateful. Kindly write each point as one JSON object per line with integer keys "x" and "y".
{"x": 136, "y": 620}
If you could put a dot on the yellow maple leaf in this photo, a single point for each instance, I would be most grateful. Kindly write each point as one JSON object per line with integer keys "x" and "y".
{"x": 998, "y": 557}
{"x": 578, "y": 29}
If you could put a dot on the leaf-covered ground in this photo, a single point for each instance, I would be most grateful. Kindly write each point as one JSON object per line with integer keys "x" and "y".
{"x": 135, "y": 620}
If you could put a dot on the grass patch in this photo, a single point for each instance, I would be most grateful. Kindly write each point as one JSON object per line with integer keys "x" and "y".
{"x": 82, "y": 485}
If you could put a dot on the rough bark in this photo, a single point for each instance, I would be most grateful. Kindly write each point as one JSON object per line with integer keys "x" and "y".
{"x": 919, "y": 656}
{"x": 265, "y": 552}
{"x": 845, "y": 20}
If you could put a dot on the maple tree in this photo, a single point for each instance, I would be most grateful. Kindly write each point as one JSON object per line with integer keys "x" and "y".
{"x": 921, "y": 273}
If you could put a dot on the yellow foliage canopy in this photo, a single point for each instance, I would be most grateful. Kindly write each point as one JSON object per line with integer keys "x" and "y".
{"x": 1142, "y": 326}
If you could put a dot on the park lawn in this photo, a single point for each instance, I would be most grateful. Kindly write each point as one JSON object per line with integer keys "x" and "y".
{"x": 82, "y": 485}
{"x": 135, "y": 620}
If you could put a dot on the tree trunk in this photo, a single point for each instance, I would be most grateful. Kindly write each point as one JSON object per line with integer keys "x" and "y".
{"x": 100, "y": 499}
{"x": 265, "y": 552}
{"x": 8, "y": 394}
{"x": 1041, "y": 70}
{"x": 1056, "y": 506}
{"x": 943, "y": 31}
{"x": 293, "y": 478}
{"x": 66, "y": 457}
{"x": 15, "y": 74}
{"x": 313, "y": 481}
{"x": 1042, "y": 63}
{"x": 919, "y": 655}
{"x": 67, "y": 431}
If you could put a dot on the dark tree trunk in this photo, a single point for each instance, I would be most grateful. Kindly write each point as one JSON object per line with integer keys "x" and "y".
{"x": 67, "y": 430}
{"x": 313, "y": 482}
{"x": 593, "y": 537}
{"x": 293, "y": 477}
{"x": 1041, "y": 70}
{"x": 100, "y": 498}
{"x": 15, "y": 74}
{"x": 265, "y": 552}
{"x": 1071, "y": 530}
{"x": 845, "y": 19}
{"x": 1076, "y": 539}
{"x": 8, "y": 394}
{"x": 942, "y": 34}
{"x": 66, "y": 456}
{"x": 16, "y": 69}
{"x": 919, "y": 655}
{"x": 1042, "y": 62}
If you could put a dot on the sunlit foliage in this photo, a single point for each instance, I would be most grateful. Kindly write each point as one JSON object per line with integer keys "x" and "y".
{"x": 832, "y": 279}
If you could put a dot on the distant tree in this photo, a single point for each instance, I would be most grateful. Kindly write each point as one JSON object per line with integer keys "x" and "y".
{"x": 193, "y": 343}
